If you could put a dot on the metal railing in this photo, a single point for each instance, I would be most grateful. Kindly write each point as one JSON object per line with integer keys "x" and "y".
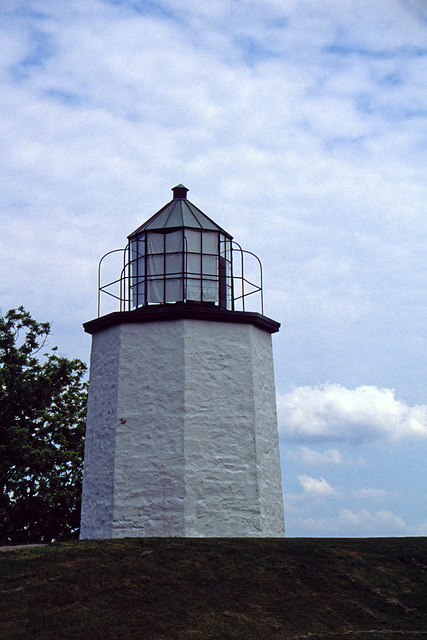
{"x": 243, "y": 283}
{"x": 246, "y": 288}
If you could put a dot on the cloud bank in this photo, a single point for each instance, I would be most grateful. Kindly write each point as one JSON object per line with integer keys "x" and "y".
{"x": 360, "y": 523}
{"x": 333, "y": 412}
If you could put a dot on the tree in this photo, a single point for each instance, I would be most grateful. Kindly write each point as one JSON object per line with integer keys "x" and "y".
{"x": 42, "y": 417}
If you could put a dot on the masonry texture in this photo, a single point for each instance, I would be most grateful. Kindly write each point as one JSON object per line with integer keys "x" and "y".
{"x": 182, "y": 432}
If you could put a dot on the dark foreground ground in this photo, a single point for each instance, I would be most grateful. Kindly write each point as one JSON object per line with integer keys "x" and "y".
{"x": 216, "y": 589}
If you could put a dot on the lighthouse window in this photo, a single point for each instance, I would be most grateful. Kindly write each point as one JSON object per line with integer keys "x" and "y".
{"x": 173, "y": 289}
{"x": 155, "y": 265}
{"x": 155, "y": 242}
{"x": 193, "y": 263}
{"x": 210, "y": 242}
{"x": 210, "y": 290}
{"x": 173, "y": 263}
{"x": 141, "y": 266}
{"x": 173, "y": 241}
{"x": 225, "y": 247}
{"x": 193, "y": 289}
{"x": 134, "y": 250}
{"x": 192, "y": 241}
{"x": 140, "y": 293}
{"x": 155, "y": 291}
{"x": 209, "y": 265}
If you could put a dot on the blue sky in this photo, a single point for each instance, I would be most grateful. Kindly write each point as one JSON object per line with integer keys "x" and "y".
{"x": 298, "y": 126}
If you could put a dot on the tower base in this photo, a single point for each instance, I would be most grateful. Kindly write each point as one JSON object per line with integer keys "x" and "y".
{"x": 181, "y": 433}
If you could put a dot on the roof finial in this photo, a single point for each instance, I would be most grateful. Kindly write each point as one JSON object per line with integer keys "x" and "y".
{"x": 179, "y": 192}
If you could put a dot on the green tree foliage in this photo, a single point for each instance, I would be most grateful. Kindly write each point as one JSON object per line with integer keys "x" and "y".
{"x": 42, "y": 416}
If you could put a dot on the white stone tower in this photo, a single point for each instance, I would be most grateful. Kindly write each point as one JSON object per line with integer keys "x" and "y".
{"x": 181, "y": 435}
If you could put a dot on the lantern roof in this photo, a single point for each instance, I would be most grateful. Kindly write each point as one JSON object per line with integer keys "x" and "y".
{"x": 178, "y": 213}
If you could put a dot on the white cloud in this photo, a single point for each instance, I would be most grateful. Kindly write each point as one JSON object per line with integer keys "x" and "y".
{"x": 350, "y": 523}
{"x": 371, "y": 493}
{"x": 333, "y": 412}
{"x": 317, "y": 487}
{"x": 304, "y": 455}
{"x": 381, "y": 521}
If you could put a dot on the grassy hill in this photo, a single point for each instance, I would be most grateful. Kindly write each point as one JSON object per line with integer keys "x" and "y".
{"x": 216, "y": 589}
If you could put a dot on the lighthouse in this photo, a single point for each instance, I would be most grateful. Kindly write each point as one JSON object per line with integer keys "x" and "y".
{"x": 181, "y": 436}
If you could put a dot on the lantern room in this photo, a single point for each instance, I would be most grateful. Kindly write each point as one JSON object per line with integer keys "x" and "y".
{"x": 181, "y": 256}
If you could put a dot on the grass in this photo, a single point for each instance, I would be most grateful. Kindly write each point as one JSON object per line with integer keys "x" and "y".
{"x": 216, "y": 589}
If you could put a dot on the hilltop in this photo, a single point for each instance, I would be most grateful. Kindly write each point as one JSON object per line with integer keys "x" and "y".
{"x": 216, "y": 589}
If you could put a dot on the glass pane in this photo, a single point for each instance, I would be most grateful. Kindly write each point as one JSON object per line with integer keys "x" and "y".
{"x": 228, "y": 297}
{"x": 210, "y": 242}
{"x": 133, "y": 297}
{"x": 133, "y": 250}
{"x": 174, "y": 263}
{"x": 193, "y": 289}
{"x": 210, "y": 291}
{"x": 141, "y": 246}
{"x": 137, "y": 295}
{"x": 173, "y": 241}
{"x": 155, "y": 265}
{"x": 141, "y": 266}
{"x": 193, "y": 263}
{"x": 192, "y": 241}
{"x": 141, "y": 294}
{"x": 209, "y": 264}
{"x": 173, "y": 289}
{"x": 228, "y": 250}
{"x": 155, "y": 242}
{"x": 155, "y": 291}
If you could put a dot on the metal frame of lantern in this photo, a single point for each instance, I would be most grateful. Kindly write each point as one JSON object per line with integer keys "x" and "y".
{"x": 237, "y": 287}
{"x": 180, "y": 265}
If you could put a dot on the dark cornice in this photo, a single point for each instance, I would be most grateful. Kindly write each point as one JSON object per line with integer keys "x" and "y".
{"x": 181, "y": 312}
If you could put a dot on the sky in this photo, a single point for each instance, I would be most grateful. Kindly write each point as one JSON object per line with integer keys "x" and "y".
{"x": 298, "y": 126}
